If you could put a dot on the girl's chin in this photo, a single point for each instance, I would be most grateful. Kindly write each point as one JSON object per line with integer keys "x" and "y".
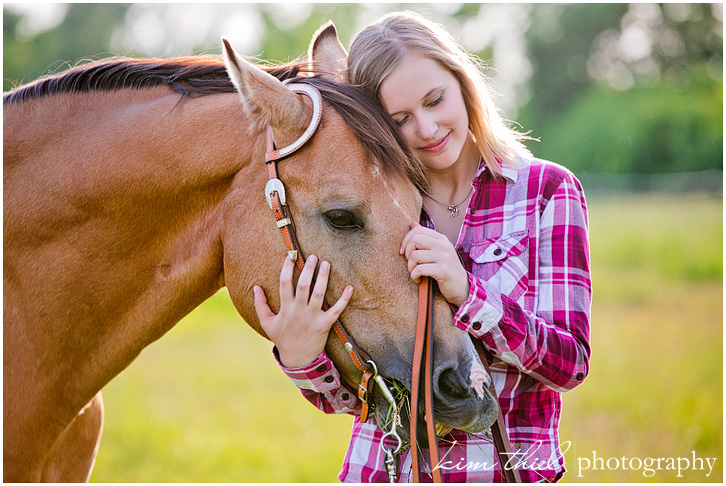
{"x": 439, "y": 163}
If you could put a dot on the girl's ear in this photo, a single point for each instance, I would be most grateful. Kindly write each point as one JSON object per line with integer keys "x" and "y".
{"x": 326, "y": 54}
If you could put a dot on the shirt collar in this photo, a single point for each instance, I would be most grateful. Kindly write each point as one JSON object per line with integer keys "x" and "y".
{"x": 509, "y": 172}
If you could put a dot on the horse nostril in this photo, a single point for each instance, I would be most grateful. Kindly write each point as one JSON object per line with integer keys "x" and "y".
{"x": 453, "y": 384}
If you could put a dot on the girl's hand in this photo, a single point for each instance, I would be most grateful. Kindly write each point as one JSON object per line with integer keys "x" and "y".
{"x": 431, "y": 254}
{"x": 300, "y": 330}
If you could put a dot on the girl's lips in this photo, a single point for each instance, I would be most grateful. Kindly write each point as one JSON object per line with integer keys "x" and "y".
{"x": 436, "y": 146}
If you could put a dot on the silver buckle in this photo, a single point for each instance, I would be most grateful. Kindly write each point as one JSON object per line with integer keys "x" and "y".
{"x": 275, "y": 185}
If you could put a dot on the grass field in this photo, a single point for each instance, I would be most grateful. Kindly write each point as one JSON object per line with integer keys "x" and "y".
{"x": 207, "y": 403}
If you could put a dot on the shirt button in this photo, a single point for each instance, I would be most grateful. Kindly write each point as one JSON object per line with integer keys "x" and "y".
{"x": 322, "y": 368}
{"x": 465, "y": 318}
{"x": 345, "y": 397}
{"x": 497, "y": 252}
{"x": 329, "y": 379}
{"x": 580, "y": 376}
{"x": 476, "y": 326}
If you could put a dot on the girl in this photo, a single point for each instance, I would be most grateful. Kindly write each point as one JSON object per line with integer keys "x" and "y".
{"x": 504, "y": 235}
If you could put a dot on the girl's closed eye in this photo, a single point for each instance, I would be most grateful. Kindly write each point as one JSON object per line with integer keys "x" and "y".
{"x": 437, "y": 100}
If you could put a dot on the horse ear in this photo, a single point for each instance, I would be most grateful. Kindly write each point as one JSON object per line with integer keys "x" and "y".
{"x": 263, "y": 95}
{"x": 327, "y": 54}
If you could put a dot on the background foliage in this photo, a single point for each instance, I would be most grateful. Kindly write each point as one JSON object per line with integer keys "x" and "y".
{"x": 629, "y": 96}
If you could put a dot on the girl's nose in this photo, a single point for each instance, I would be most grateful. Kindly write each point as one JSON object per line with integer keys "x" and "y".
{"x": 426, "y": 127}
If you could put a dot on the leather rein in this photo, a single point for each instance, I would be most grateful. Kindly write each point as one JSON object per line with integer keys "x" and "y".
{"x": 423, "y": 344}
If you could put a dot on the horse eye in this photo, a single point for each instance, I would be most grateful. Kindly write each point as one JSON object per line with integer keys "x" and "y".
{"x": 340, "y": 219}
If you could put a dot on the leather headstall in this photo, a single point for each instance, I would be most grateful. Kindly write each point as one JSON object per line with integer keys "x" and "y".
{"x": 277, "y": 200}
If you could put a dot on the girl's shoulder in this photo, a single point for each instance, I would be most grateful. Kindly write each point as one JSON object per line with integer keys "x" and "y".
{"x": 528, "y": 166}
{"x": 546, "y": 175}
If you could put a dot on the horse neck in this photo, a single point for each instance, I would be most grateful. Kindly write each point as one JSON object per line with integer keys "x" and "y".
{"x": 112, "y": 216}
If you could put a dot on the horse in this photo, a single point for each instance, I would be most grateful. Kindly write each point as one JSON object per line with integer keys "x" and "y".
{"x": 133, "y": 191}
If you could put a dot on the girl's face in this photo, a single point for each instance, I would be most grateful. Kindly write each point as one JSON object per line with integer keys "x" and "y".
{"x": 424, "y": 99}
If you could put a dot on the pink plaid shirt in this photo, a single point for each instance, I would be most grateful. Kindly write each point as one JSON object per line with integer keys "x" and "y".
{"x": 524, "y": 243}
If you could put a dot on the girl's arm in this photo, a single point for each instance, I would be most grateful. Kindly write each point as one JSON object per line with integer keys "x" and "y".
{"x": 553, "y": 342}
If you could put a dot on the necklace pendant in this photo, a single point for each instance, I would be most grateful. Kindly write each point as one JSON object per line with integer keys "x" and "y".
{"x": 454, "y": 210}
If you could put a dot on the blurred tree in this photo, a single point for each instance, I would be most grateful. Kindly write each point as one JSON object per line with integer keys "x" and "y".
{"x": 641, "y": 130}
{"x": 283, "y": 44}
{"x": 84, "y": 33}
{"x": 620, "y": 88}
{"x": 560, "y": 40}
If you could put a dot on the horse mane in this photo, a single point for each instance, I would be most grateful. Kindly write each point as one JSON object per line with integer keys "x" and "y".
{"x": 206, "y": 75}
{"x": 191, "y": 76}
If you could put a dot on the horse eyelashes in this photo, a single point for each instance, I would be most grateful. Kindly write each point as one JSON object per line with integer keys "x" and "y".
{"x": 340, "y": 219}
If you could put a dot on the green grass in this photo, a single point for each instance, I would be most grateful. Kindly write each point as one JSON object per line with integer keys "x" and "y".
{"x": 655, "y": 387}
{"x": 208, "y": 403}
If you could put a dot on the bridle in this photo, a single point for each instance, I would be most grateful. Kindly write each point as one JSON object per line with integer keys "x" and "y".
{"x": 276, "y": 199}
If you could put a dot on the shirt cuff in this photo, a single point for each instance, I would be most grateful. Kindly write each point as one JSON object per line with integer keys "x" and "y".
{"x": 481, "y": 311}
{"x": 320, "y": 376}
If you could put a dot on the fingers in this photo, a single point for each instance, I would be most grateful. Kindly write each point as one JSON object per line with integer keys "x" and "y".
{"x": 301, "y": 296}
{"x": 287, "y": 293}
{"x": 421, "y": 257}
{"x": 425, "y": 270}
{"x": 321, "y": 285}
{"x": 413, "y": 225}
{"x": 334, "y": 312}
{"x": 304, "y": 283}
{"x": 425, "y": 241}
{"x": 264, "y": 313}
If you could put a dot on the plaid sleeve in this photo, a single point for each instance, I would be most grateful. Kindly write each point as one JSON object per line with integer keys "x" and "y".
{"x": 321, "y": 385}
{"x": 550, "y": 343}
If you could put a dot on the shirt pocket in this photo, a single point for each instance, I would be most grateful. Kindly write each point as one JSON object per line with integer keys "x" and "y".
{"x": 504, "y": 263}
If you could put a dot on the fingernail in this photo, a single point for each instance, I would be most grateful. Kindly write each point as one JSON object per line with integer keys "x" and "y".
{"x": 313, "y": 259}
{"x": 324, "y": 265}
{"x": 254, "y": 290}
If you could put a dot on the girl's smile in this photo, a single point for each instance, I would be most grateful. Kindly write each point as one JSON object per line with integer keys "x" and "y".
{"x": 436, "y": 146}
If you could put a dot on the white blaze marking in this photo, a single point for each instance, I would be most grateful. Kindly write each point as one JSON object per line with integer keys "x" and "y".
{"x": 389, "y": 191}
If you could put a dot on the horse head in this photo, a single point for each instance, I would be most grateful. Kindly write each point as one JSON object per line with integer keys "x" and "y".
{"x": 352, "y": 191}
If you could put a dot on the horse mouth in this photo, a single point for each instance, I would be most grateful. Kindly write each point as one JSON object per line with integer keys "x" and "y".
{"x": 386, "y": 413}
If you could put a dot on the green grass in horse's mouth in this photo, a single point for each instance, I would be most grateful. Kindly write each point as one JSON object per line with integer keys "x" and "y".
{"x": 402, "y": 398}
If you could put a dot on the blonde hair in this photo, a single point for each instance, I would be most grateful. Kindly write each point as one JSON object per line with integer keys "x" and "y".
{"x": 379, "y": 47}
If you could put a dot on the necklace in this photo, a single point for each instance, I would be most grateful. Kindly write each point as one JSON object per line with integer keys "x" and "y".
{"x": 454, "y": 208}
